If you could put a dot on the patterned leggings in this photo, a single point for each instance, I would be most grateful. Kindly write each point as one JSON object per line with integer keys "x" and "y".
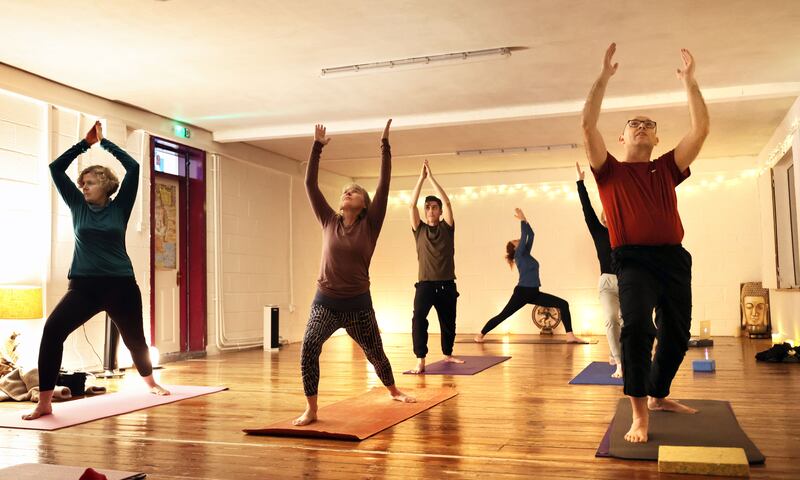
{"x": 361, "y": 326}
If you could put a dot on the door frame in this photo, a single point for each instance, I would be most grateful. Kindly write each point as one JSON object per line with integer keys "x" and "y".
{"x": 192, "y": 234}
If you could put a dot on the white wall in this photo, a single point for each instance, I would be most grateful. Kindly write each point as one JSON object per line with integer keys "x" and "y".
{"x": 713, "y": 203}
{"x": 784, "y": 304}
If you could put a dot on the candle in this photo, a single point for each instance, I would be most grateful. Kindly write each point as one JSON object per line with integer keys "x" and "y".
{"x": 777, "y": 338}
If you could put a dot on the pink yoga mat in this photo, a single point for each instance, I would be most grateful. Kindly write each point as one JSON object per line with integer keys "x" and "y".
{"x": 36, "y": 471}
{"x": 85, "y": 410}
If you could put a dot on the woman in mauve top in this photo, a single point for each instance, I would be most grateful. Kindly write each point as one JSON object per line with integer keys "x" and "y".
{"x": 343, "y": 300}
{"x": 101, "y": 275}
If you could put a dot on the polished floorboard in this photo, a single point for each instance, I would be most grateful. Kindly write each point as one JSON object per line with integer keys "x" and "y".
{"x": 519, "y": 419}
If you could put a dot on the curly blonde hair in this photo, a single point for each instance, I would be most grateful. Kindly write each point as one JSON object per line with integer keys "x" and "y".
{"x": 104, "y": 175}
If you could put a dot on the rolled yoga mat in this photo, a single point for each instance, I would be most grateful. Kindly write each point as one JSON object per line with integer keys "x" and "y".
{"x": 359, "y": 417}
{"x": 41, "y": 471}
{"x": 597, "y": 373}
{"x": 84, "y": 410}
{"x": 715, "y": 425}
{"x": 471, "y": 365}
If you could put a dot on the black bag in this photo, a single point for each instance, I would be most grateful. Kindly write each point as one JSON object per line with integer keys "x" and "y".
{"x": 75, "y": 381}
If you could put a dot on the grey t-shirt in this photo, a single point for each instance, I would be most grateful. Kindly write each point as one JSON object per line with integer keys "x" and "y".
{"x": 435, "y": 251}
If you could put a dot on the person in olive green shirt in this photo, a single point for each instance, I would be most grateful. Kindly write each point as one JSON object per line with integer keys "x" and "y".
{"x": 436, "y": 286}
{"x": 101, "y": 275}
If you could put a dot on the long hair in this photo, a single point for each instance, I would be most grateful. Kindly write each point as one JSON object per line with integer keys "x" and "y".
{"x": 104, "y": 175}
{"x": 510, "y": 251}
{"x": 367, "y": 201}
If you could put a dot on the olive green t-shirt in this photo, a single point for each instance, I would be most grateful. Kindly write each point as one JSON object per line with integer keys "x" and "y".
{"x": 435, "y": 251}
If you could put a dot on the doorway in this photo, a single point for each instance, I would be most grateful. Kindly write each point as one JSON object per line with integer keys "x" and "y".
{"x": 178, "y": 249}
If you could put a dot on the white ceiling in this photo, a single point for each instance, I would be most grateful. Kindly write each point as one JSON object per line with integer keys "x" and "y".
{"x": 250, "y": 70}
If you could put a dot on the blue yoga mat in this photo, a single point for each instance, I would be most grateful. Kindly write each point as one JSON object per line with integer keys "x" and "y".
{"x": 597, "y": 373}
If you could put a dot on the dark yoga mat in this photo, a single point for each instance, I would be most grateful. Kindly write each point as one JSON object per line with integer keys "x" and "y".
{"x": 471, "y": 365}
{"x": 715, "y": 425}
{"x": 597, "y": 373}
{"x": 524, "y": 341}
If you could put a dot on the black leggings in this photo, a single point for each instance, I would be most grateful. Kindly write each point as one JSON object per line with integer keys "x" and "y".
{"x": 443, "y": 297}
{"x": 86, "y": 297}
{"x": 530, "y": 295}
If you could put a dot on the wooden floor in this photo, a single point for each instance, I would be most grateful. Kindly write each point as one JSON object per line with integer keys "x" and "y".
{"x": 519, "y": 419}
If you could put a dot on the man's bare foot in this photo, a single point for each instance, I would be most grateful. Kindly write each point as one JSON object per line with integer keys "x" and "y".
{"x": 638, "y": 431}
{"x": 618, "y": 372}
{"x": 452, "y": 359}
{"x": 39, "y": 411}
{"x": 420, "y": 368}
{"x": 571, "y": 338}
{"x": 668, "y": 405}
{"x": 479, "y": 338}
{"x": 306, "y": 418}
{"x": 159, "y": 390}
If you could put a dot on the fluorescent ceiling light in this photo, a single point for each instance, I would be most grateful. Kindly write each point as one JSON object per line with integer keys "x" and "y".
{"x": 508, "y": 150}
{"x": 413, "y": 62}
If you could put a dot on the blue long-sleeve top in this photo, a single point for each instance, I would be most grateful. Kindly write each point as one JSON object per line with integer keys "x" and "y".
{"x": 99, "y": 231}
{"x": 599, "y": 233}
{"x": 527, "y": 265}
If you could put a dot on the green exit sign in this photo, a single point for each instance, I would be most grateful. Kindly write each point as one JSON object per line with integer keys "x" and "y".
{"x": 181, "y": 131}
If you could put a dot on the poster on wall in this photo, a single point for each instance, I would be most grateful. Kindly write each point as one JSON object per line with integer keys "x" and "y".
{"x": 166, "y": 238}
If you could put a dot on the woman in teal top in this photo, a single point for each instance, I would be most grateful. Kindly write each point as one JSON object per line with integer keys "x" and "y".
{"x": 101, "y": 276}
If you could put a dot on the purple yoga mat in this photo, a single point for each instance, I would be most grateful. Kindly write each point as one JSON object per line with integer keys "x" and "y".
{"x": 597, "y": 373}
{"x": 471, "y": 365}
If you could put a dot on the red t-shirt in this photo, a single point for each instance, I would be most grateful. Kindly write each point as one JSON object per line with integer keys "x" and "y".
{"x": 640, "y": 202}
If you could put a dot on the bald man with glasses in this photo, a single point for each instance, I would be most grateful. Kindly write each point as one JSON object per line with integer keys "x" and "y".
{"x": 645, "y": 230}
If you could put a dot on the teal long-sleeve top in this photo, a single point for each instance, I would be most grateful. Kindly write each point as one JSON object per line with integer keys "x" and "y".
{"x": 527, "y": 266}
{"x": 99, "y": 231}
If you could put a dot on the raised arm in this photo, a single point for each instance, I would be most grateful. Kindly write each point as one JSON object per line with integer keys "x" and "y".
{"x": 589, "y": 214}
{"x": 58, "y": 168}
{"x": 130, "y": 183}
{"x": 526, "y": 233}
{"x": 689, "y": 147}
{"x": 412, "y": 207}
{"x": 322, "y": 210}
{"x": 377, "y": 211}
{"x": 592, "y": 139}
{"x": 447, "y": 209}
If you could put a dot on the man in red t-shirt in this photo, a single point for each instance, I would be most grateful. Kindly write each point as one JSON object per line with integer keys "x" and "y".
{"x": 653, "y": 269}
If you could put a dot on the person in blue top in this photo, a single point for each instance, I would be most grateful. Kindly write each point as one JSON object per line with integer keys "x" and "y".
{"x": 527, "y": 290}
{"x": 101, "y": 275}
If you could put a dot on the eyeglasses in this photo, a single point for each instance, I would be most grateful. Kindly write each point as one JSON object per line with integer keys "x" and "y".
{"x": 648, "y": 124}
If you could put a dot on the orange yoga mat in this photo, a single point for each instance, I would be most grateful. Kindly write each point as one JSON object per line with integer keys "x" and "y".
{"x": 360, "y": 417}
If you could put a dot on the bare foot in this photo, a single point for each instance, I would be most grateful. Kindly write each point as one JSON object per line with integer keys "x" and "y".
{"x": 452, "y": 359}
{"x": 402, "y": 397}
{"x": 479, "y": 338}
{"x": 618, "y": 372}
{"x": 420, "y": 368}
{"x": 159, "y": 390}
{"x": 306, "y": 418}
{"x": 638, "y": 431}
{"x": 39, "y": 411}
{"x": 668, "y": 405}
{"x": 571, "y": 338}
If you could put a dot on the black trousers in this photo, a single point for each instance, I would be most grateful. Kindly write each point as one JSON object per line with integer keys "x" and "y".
{"x": 85, "y": 298}
{"x": 653, "y": 279}
{"x": 530, "y": 296}
{"x": 443, "y": 297}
